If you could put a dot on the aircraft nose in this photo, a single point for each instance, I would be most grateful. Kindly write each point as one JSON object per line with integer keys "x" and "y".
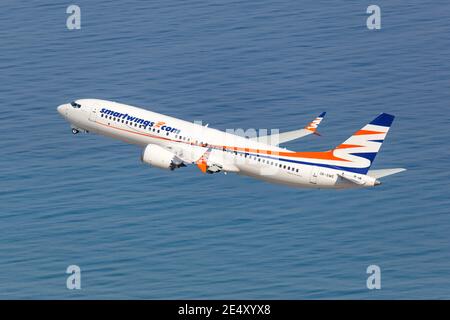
{"x": 61, "y": 109}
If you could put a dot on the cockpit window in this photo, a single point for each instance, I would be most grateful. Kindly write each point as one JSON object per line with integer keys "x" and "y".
{"x": 75, "y": 105}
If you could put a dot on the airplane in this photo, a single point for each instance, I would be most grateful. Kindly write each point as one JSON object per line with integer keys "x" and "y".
{"x": 171, "y": 143}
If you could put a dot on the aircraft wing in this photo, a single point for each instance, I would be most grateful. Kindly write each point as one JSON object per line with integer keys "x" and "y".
{"x": 276, "y": 139}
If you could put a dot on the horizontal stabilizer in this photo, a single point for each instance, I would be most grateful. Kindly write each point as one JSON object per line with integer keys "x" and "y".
{"x": 384, "y": 172}
{"x": 349, "y": 177}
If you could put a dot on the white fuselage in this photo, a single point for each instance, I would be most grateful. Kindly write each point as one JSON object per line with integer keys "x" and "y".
{"x": 190, "y": 141}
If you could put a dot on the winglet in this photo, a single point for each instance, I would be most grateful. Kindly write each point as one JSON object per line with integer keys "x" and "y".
{"x": 202, "y": 163}
{"x": 312, "y": 126}
{"x": 202, "y": 166}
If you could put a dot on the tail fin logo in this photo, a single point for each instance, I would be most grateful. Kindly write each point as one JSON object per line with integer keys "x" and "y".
{"x": 159, "y": 124}
{"x": 362, "y": 147}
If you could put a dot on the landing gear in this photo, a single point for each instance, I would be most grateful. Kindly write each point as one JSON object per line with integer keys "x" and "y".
{"x": 75, "y": 131}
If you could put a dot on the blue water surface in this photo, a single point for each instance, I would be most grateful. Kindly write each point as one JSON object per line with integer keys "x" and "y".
{"x": 140, "y": 232}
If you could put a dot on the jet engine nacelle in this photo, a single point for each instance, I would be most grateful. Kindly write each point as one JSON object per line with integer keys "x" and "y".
{"x": 159, "y": 157}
